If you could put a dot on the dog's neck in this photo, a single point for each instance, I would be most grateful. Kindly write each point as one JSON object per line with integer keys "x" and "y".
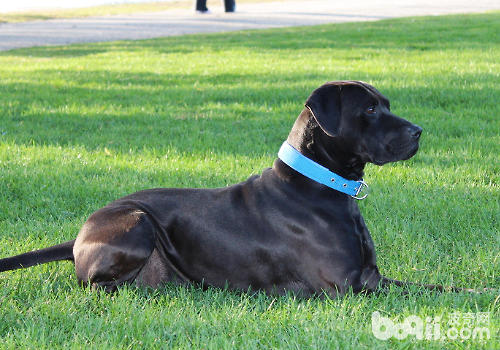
{"x": 307, "y": 137}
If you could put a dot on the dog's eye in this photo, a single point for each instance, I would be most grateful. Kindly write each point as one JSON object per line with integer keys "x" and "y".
{"x": 371, "y": 110}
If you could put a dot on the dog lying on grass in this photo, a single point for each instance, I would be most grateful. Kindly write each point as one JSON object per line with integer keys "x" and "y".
{"x": 296, "y": 227}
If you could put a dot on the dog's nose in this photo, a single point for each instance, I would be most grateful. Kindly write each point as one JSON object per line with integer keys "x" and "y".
{"x": 415, "y": 131}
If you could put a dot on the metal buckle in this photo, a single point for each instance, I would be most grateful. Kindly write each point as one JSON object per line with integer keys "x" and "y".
{"x": 362, "y": 187}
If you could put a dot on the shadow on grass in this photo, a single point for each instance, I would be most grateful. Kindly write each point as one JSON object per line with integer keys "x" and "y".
{"x": 225, "y": 113}
{"x": 67, "y": 51}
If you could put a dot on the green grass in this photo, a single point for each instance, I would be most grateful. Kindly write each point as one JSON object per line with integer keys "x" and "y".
{"x": 82, "y": 125}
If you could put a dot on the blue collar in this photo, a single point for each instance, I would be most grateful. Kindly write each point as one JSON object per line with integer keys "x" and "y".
{"x": 295, "y": 160}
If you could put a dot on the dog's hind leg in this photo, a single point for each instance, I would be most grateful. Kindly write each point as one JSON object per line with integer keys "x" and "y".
{"x": 113, "y": 246}
{"x": 157, "y": 271}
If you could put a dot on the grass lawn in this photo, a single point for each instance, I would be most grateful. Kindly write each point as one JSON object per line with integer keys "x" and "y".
{"x": 82, "y": 125}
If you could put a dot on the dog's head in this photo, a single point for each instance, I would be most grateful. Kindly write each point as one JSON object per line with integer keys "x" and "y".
{"x": 356, "y": 118}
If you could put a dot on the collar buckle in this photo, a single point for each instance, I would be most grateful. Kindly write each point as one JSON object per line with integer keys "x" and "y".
{"x": 363, "y": 187}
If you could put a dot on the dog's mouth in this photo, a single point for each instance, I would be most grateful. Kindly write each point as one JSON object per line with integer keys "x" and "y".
{"x": 412, "y": 151}
{"x": 397, "y": 152}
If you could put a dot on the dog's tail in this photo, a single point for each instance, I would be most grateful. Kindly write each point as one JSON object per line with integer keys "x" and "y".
{"x": 386, "y": 282}
{"x": 63, "y": 251}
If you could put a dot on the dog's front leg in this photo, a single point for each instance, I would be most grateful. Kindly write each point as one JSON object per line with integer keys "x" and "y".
{"x": 387, "y": 282}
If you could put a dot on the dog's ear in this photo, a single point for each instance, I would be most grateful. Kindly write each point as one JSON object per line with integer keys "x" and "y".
{"x": 324, "y": 104}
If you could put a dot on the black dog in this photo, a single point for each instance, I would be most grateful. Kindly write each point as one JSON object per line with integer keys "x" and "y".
{"x": 280, "y": 231}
